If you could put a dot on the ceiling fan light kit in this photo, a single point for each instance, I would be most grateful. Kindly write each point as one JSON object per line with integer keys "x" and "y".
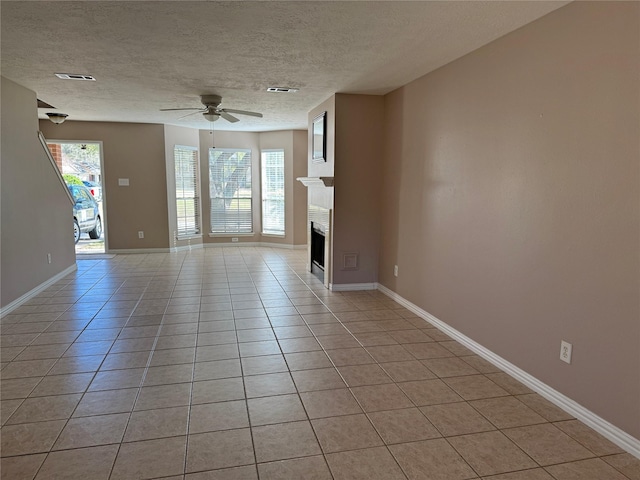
{"x": 210, "y": 116}
{"x": 57, "y": 118}
{"x": 212, "y": 111}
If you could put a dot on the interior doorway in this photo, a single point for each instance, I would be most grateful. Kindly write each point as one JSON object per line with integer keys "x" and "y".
{"x": 80, "y": 163}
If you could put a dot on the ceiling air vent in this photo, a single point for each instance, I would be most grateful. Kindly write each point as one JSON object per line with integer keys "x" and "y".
{"x": 282, "y": 89}
{"x": 74, "y": 76}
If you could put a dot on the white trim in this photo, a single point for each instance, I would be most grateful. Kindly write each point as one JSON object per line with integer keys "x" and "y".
{"x": 95, "y": 256}
{"x": 206, "y": 245}
{"x": 232, "y": 244}
{"x": 177, "y": 147}
{"x": 232, "y": 235}
{"x": 254, "y": 168}
{"x": 274, "y": 235}
{"x": 119, "y": 251}
{"x": 263, "y": 200}
{"x": 316, "y": 181}
{"x": 600, "y": 425}
{"x": 104, "y": 200}
{"x": 286, "y": 246}
{"x": 52, "y": 160}
{"x": 34, "y": 291}
{"x": 188, "y": 248}
{"x": 350, "y": 287}
{"x": 184, "y": 238}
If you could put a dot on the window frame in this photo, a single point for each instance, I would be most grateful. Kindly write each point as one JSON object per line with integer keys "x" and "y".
{"x": 185, "y": 234}
{"x": 264, "y": 200}
{"x": 248, "y": 172}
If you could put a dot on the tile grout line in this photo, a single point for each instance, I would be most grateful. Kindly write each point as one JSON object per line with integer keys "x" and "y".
{"x": 81, "y": 397}
{"x": 144, "y": 374}
{"x": 158, "y": 271}
{"x": 308, "y": 419}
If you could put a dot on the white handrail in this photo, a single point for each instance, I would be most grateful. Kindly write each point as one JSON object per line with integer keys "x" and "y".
{"x": 43, "y": 141}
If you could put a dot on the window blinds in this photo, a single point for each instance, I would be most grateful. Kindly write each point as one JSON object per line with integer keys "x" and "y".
{"x": 273, "y": 211}
{"x": 187, "y": 191}
{"x": 230, "y": 190}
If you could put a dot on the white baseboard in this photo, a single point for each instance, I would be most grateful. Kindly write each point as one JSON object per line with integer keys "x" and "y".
{"x": 119, "y": 251}
{"x": 186, "y": 248}
{"x": 285, "y": 246}
{"x": 34, "y": 291}
{"x": 351, "y": 287}
{"x": 600, "y": 425}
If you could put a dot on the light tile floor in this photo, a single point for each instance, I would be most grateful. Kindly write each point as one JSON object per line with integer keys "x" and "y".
{"x": 235, "y": 363}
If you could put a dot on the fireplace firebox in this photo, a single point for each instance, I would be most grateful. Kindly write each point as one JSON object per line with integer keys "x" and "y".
{"x": 317, "y": 250}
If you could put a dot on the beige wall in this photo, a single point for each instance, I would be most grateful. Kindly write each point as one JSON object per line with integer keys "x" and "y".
{"x": 299, "y": 190}
{"x": 135, "y": 151}
{"x": 354, "y": 136}
{"x": 357, "y": 165}
{"x": 511, "y": 187}
{"x": 36, "y": 213}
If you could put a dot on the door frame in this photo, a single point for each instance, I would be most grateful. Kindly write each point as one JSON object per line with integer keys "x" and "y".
{"x": 102, "y": 183}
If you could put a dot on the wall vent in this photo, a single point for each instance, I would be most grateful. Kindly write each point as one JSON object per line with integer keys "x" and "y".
{"x": 350, "y": 261}
{"x": 74, "y": 76}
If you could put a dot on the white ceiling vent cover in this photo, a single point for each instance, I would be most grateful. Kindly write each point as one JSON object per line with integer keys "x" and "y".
{"x": 74, "y": 76}
{"x": 282, "y": 89}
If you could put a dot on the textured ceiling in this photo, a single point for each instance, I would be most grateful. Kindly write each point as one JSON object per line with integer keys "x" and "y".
{"x": 148, "y": 55}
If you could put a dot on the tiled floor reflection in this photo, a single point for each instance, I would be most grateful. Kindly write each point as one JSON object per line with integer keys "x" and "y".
{"x": 235, "y": 363}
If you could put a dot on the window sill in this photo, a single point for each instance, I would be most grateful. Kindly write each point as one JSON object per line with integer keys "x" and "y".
{"x": 274, "y": 235}
{"x": 188, "y": 237}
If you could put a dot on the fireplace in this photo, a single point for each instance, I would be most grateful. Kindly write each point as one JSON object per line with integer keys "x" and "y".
{"x": 319, "y": 243}
{"x": 317, "y": 250}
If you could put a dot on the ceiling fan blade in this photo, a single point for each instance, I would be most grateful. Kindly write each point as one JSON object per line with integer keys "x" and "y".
{"x": 228, "y": 117}
{"x": 177, "y": 109}
{"x": 189, "y": 114}
{"x": 242, "y": 112}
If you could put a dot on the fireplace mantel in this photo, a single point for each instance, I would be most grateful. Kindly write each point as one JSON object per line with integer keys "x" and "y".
{"x": 316, "y": 181}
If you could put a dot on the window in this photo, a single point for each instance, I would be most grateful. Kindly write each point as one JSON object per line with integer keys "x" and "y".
{"x": 273, "y": 192}
{"x": 187, "y": 194}
{"x": 230, "y": 190}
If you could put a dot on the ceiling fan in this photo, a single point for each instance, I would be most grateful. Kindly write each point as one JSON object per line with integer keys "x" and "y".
{"x": 212, "y": 111}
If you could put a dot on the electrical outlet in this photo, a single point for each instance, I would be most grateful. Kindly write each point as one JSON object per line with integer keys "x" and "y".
{"x": 48, "y": 258}
{"x": 395, "y": 270}
{"x": 234, "y": 239}
{"x": 140, "y": 234}
{"x": 565, "y": 351}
